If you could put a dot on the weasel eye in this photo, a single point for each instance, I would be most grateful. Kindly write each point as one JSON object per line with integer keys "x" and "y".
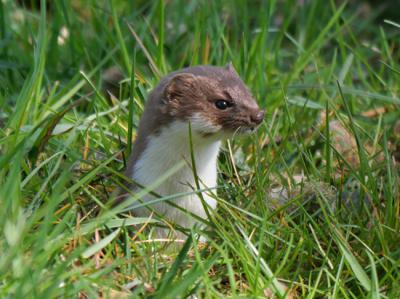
{"x": 222, "y": 104}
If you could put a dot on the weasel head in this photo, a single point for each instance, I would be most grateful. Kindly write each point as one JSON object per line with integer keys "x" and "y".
{"x": 213, "y": 99}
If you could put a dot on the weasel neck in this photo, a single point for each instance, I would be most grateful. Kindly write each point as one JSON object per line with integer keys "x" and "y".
{"x": 171, "y": 146}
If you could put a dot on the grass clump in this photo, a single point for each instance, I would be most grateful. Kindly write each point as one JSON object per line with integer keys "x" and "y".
{"x": 327, "y": 74}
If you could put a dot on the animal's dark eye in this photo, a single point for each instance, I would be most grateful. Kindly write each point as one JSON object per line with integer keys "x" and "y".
{"x": 222, "y": 104}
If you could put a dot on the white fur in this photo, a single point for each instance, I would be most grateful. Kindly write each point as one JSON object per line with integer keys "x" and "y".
{"x": 200, "y": 124}
{"x": 164, "y": 151}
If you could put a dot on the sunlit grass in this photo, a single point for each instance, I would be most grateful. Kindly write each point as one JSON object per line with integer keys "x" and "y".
{"x": 327, "y": 75}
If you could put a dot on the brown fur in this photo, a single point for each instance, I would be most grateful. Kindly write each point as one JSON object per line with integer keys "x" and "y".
{"x": 194, "y": 90}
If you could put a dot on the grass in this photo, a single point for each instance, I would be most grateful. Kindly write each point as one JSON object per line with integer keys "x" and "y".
{"x": 328, "y": 76}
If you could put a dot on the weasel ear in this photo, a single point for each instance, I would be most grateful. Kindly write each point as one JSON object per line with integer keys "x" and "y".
{"x": 231, "y": 68}
{"x": 178, "y": 86}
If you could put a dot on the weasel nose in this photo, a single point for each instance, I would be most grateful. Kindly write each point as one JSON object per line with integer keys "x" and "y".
{"x": 257, "y": 117}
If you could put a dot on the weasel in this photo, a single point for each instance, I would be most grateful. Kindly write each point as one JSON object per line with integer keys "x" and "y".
{"x": 217, "y": 104}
